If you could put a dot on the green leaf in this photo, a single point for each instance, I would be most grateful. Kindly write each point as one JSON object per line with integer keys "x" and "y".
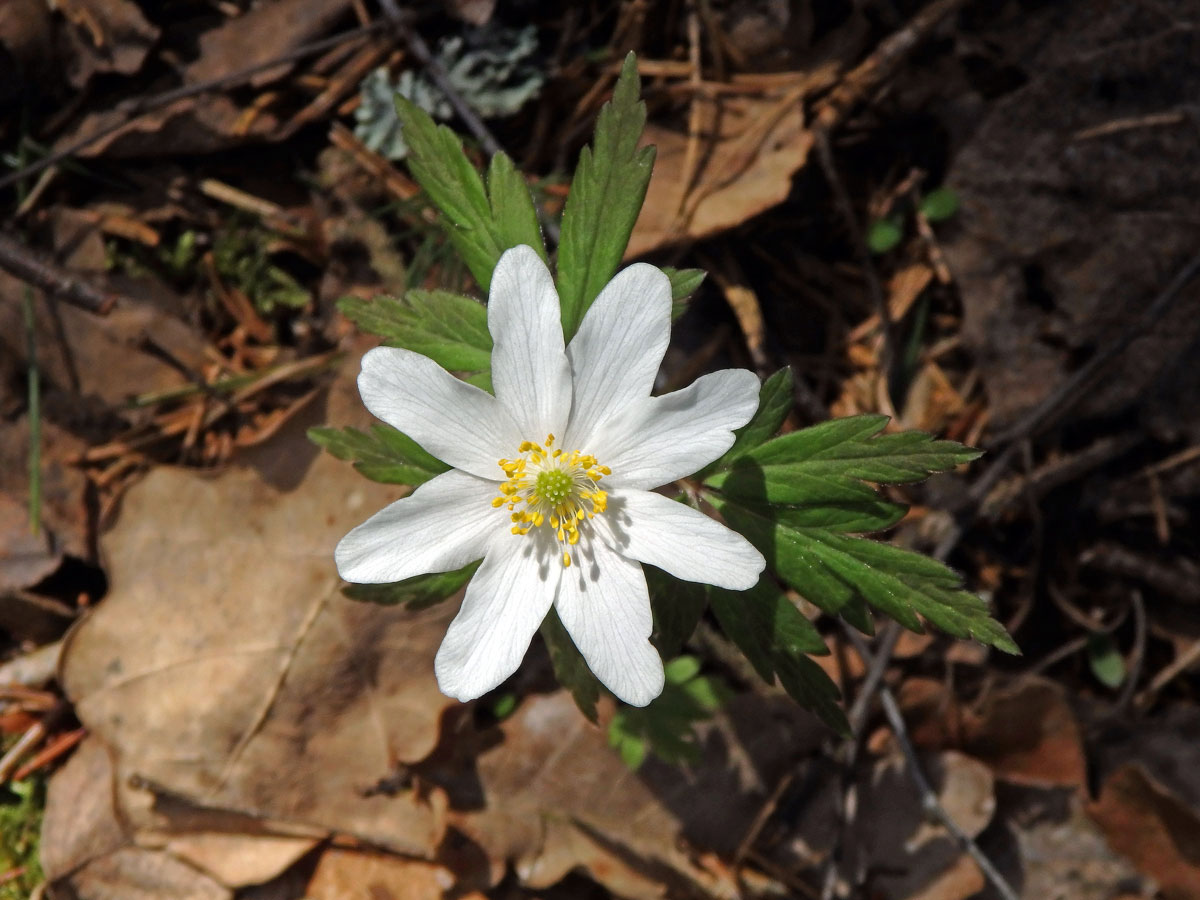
{"x": 683, "y": 284}
{"x": 766, "y": 626}
{"x": 831, "y": 570}
{"x": 514, "y": 217}
{"x": 939, "y": 204}
{"x": 774, "y": 403}
{"x": 418, "y": 592}
{"x": 763, "y": 622}
{"x": 1105, "y": 660}
{"x": 570, "y": 668}
{"x": 384, "y": 454}
{"x": 604, "y": 200}
{"x": 666, "y": 727}
{"x": 808, "y": 685}
{"x": 883, "y": 235}
{"x": 448, "y": 328}
{"x": 481, "y": 225}
{"x": 827, "y": 463}
{"x": 678, "y": 606}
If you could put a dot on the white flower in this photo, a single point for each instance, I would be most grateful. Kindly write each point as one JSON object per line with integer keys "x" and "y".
{"x": 552, "y": 480}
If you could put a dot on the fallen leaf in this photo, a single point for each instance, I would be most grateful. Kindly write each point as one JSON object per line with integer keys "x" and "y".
{"x": 353, "y": 875}
{"x": 80, "y": 823}
{"x": 203, "y": 124}
{"x": 746, "y": 162}
{"x": 25, "y": 558}
{"x": 1153, "y": 828}
{"x": 265, "y": 33}
{"x": 105, "y": 36}
{"x": 556, "y": 797}
{"x": 238, "y": 860}
{"x": 915, "y": 857}
{"x": 225, "y": 669}
{"x": 1077, "y": 210}
{"x": 1029, "y": 735}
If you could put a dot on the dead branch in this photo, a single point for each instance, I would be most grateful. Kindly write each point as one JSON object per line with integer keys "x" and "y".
{"x": 34, "y": 269}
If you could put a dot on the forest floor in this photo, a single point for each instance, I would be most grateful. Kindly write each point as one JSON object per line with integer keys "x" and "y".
{"x": 979, "y": 218}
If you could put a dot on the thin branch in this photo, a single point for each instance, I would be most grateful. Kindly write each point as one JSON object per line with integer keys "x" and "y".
{"x": 929, "y": 800}
{"x": 402, "y": 22}
{"x": 34, "y": 269}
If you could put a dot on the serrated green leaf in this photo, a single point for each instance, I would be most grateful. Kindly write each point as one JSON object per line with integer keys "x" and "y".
{"x": 481, "y": 227}
{"x": 383, "y": 454}
{"x": 570, "y": 668}
{"x": 678, "y": 606}
{"x": 763, "y": 622}
{"x": 831, "y": 570}
{"x": 775, "y": 400}
{"x": 883, "y": 235}
{"x": 776, "y": 638}
{"x": 939, "y": 204}
{"x": 448, "y": 328}
{"x": 418, "y": 592}
{"x": 605, "y": 198}
{"x": 514, "y": 216}
{"x": 827, "y": 463}
{"x": 1105, "y": 660}
{"x": 808, "y": 685}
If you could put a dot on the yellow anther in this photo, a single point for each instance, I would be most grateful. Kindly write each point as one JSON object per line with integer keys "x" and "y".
{"x": 554, "y": 484}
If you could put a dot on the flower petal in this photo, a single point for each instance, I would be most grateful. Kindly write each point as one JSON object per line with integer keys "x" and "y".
{"x": 505, "y": 603}
{"x": 678, "y": 539}
{"x": 457, "y": 422}
{"x": 605, "y": 606}
{"x": 659, "y": 439}
{"x": 444, "y": 524}
{"x": 530, "y": 373}
{"x": 616, "y": 353}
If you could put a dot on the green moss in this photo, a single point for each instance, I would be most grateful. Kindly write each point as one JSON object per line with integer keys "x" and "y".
{"x": 22, "y": 804}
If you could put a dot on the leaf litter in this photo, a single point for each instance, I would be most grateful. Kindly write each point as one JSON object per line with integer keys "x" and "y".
{"x": 308, "y": 727}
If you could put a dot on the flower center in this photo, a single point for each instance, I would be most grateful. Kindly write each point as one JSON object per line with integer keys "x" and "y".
{"x": 555, "y": 486}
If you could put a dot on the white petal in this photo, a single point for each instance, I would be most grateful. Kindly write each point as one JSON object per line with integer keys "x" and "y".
{"x": 605, "y": 606}
{"x": 659, "y": 439}
{"x": 441, "y": 526}
{"x": 529, "y": 364}
{"x": 505, "y": 603}
{"x": 688, "y": 544}
{"x": 616, "y": 353}
{"x": 457, "y": 422}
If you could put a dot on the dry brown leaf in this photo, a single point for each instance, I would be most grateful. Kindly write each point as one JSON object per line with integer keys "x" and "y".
{"x": 758, "y": 145}
{"x": 80, "y": 822}
{"x": 264, "y": 34}
{"x": 105, "y": 36}
{"x": 237, "y": 860}
{"x": 1153, "y": 828}
{"x": 1029, "y": 735}
{"x": 203, "y": 124}
{"x": 557, "y": 797}
{"x": 25, "y": 558}
{"x": 351, "y": 875}
{"x": 226, "y": 670}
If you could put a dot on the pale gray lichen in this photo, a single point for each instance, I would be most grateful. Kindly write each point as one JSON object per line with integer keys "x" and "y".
{"x": 492, "y": 69}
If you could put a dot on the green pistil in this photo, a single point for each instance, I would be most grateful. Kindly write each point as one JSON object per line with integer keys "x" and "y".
{"x": 553, "y": 485}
